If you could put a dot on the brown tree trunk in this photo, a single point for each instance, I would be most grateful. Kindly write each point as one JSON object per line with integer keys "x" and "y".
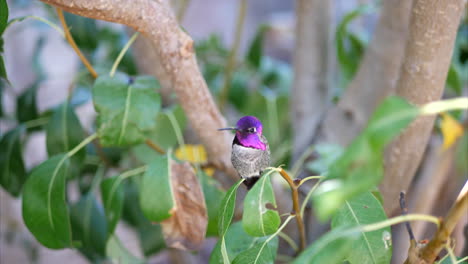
{"x": 309, "y": 90}
{"x": 429, "y": 47}
{"x": 176, "y": 52}
{"x": 376, "y": 77}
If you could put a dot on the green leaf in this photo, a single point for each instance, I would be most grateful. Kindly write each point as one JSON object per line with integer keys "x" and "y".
{"x": 119, "y": 254}
{"x": 127, "y": 108}
{"x": 13, "y": 174}
{"x": 156, "y": 195}
{"x": 331, "y": 248}
{"x": 213, "y": 196}
{"x": 328, "y": 153}
{"x": 26, "y": 108}
{"x": 226, "y": 211}
{"x": 255, "y": 52}
{"x": 238, "y": 241}
{"x": 257, "y": 219}
{"x": 45, "y": 211}
{"x": 453, "y": 79}
{"x": 3, "y": 73}
{"x": 112, "y": 198}
{"x": 150, "y": 235}
{"x": 370, "y": 247}
{"x": 64, "y": 132}
{"x": 3, "y": 16}
{"x": 360, "y": 167}
{"x": 349, "y": 47}
{"x": 260, "y": 253}
{"x": 164, "y": 134}
{"x": 89, "y": 226}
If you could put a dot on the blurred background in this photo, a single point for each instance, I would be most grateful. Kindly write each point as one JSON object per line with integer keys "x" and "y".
{"x": 42, "y": 68}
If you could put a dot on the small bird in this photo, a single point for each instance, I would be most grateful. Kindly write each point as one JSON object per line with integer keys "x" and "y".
{"x": 250, "y": 151}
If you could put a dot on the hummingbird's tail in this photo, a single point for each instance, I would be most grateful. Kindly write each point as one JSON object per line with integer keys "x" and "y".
{"x": 250, "y": 181}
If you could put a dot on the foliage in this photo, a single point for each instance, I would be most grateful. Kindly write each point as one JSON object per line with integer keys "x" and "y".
{"x": 121, "y": 177}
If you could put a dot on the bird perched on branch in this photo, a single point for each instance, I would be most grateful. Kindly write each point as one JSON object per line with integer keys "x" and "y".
{"x": 250, "y": 151}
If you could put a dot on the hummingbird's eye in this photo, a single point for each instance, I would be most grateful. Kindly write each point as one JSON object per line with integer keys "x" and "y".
{"x": 252, "y": 130}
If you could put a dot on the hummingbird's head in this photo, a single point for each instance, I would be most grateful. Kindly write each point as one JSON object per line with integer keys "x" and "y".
{"x": 248, "y": 132}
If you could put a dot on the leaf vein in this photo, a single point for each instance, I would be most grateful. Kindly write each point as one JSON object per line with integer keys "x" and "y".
{"x": 363, "y": 234}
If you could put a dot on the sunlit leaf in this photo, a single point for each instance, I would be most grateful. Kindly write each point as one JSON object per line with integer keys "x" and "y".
{"x": 370, "y": 246}
{"x": 13, "y": 174}
{"x": 89, "y": 226}
{"x": 237, "y": 241}
{"x": 112, "y": 199}
{"x": 157, "y": 199}
{"x": 360, "y": 167}
{"x": 258, "y": 219}
{"x": 186, "y": 228}
{"x": 260, "y": 253}
{"x": 226, "y": 211}
{"x": 331, "y": 248}
{"x": 127, "y": 108}
{"x": 45, "y": 211}
{"x": 195, "y": 154}
{"x": 451, "y": 130}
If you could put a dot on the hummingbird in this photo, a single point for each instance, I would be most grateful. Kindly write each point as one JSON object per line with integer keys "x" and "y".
{"x": 250, "y": 151}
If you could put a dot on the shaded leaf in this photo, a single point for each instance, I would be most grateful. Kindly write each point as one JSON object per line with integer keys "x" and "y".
{"x": 3, "y": 16}
{"x": 150, "y": 235}
{"x": 328, "y": 153}
{"x": 260, "y": 253}
{"x": 118, "y": 253}
{"x": 127, "y": 108}
{"x": 370, "y": 247}
{"x": 186, "y": 228}
{"x": 157, "y": 199}
{"x": 226, "y": 211}
{"x": 26, "y": 107}
{"x": 64, "y": 132}
{"x": 112, "y": 199}
{"x": 13, "y": 174}
{"x": 453, "y": 79}
{"x": 3, "y": 73}
{"x": 258, "y": 220}
{"x": 89, "y": 226}
{"x": 255, "y": 52}
{"x": 83, "y": 30}
{"x": 213, "y": 197}
{"x": 360, "y": 167}
{"x": 331, "y": 248}
{"x": 237, "y": 241}
{"x": 45, "y": 211}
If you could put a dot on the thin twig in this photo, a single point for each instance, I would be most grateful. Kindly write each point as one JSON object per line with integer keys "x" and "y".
{"x": 72, "y": 43}
{"x": 430, "y": 252}
{"x": 231, "y": 63}
{"x": 296, "y": 207}
{"x": 404, "y": 210}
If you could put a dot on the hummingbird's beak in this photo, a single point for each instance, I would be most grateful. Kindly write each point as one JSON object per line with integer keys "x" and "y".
{"x": 227, "y": 128}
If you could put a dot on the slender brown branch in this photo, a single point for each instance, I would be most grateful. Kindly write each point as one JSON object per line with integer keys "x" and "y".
{"x": 296, "y": 207}
{"x": 154, "y": 146}
{"x": 404, "y": 211}
{"x": 72, "y": 42}
{"x": 430, "y": 252}
{"x": 231, "y": 63}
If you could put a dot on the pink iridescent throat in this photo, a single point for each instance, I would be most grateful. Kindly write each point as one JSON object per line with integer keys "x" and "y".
{"x": 250, "y": 140}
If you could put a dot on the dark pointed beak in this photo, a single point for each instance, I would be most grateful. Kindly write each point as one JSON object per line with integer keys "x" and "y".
{"x": 227, "y": 128}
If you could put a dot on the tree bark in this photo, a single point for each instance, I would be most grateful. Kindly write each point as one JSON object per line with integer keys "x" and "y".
{"x": 429, "y": 47}
{"x": 309, "y": 90}
{"x": 376, "y": 77}
{"x": 175, "y": 49}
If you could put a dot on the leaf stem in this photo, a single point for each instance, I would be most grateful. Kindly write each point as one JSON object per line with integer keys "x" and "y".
{"x": 154, "y": 146}
{"x": 133, "y": 172}
{"x": 83, "y": 143}
{"x": 122, "y": 53}
{"x": 444, "y": 106}
{"x": 72, "y": 43}
{"x": 288, "y": 240}
{"x": 398, "y": 220}
{"x": 309, "y": 178}
{"x": 231, "y": 62}
{"x": 296, "y": 207}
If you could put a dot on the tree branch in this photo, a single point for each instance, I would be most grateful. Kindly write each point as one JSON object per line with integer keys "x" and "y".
{"x": 429, "y": 47}
{"x": 309, "y": 90}
{"x": 175, "y": 48}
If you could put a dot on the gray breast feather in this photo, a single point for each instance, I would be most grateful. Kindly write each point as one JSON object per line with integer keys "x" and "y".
{"x": 249, "y": 162}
